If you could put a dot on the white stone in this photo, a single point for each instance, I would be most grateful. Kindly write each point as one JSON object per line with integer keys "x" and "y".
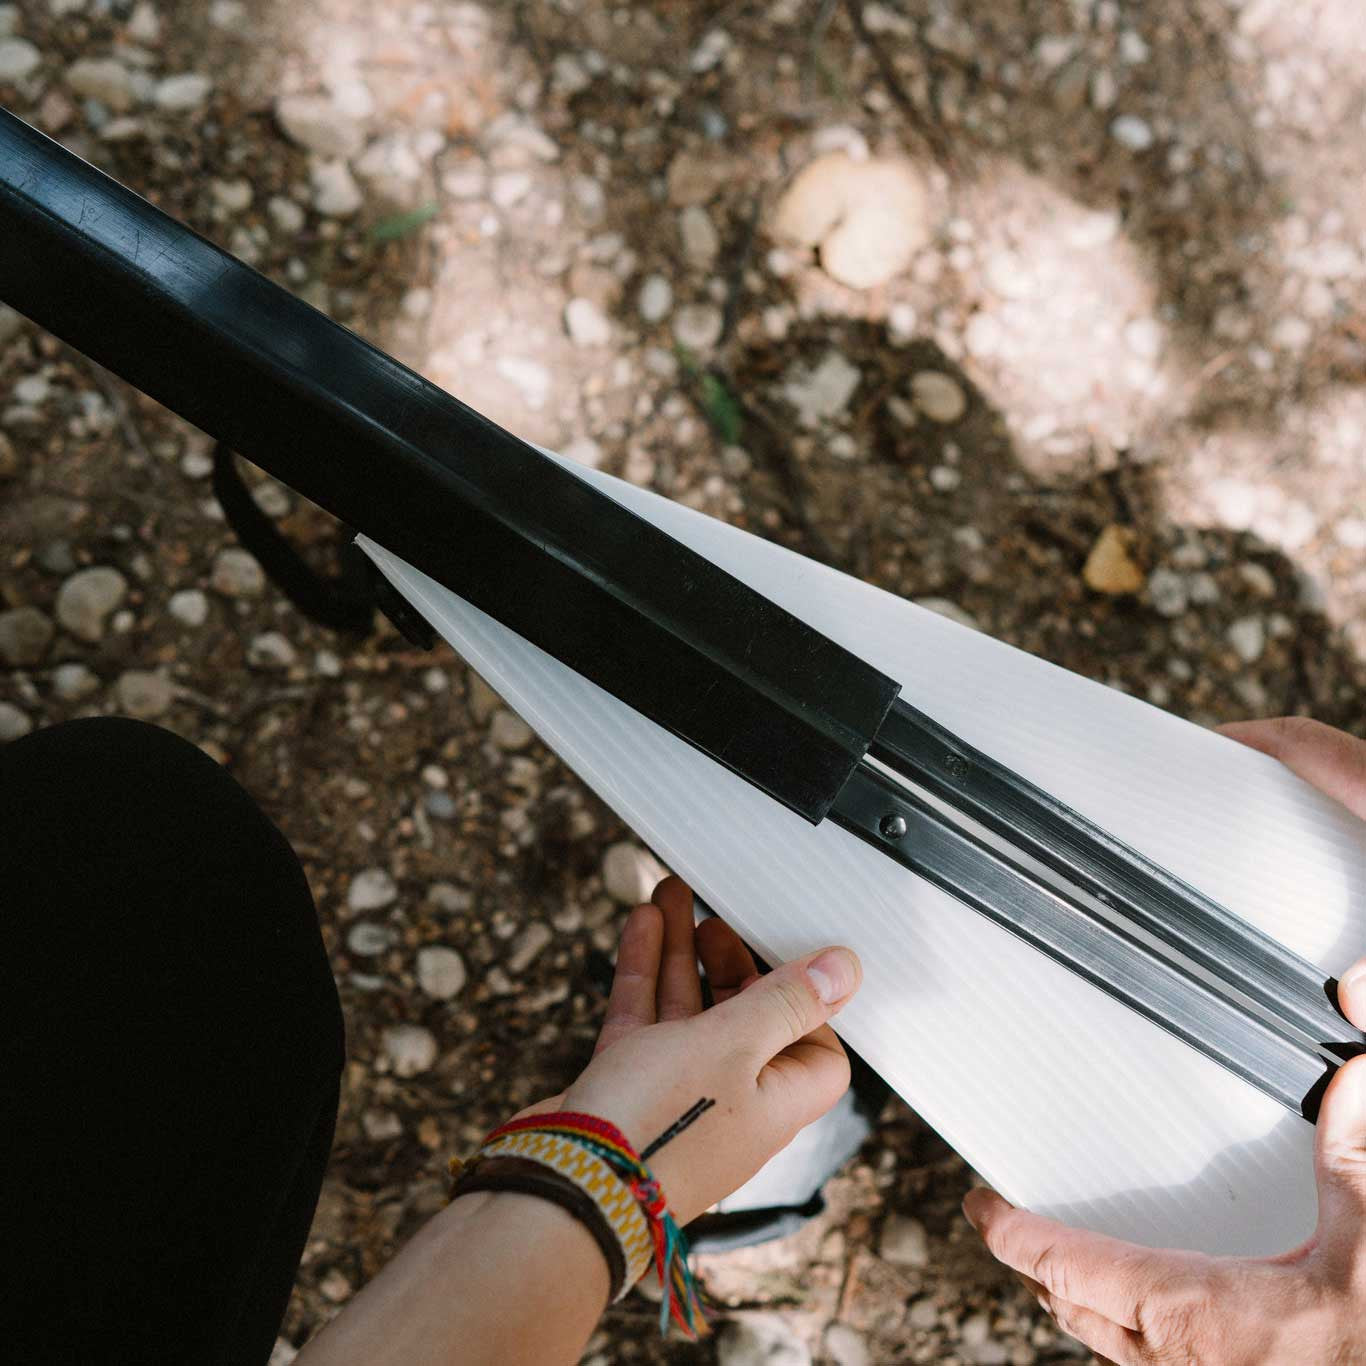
{"x": 1132, "y": 132}
{"x": 509, "y": 732}
{"x": 904, "y": 1242}
{"x": 630, "y": 874}
{"x": 440, "y": 971}
{"x": 1247, "y": 635}
{"x": 87, "y": 598}
{"x": 1143, "y": 336}
{"x": 821, "y": 391}
{"x": 367, "y": 940}
{"x": 145, "y": 695}
{"x": 585, "y": 323}
{"x": 568, "y": 75}
{"x": 231, "y": 196}
{"x": 867, "y": 217}
{"x": 1292, "y": 334}
{"x": 189, "y": 606}
{"x": 103, "y": 79}
{"x": 509, "y": 187}
{"x": 697, "y": 327}
{"x": 530, "y": 944}
{"x": 701, "y": 242}
{"x": 411, "y": 1049}
{"x": 316, "y": 123}
{"x": 656, "y": 298}
{"x": 236, "y": 574}
{"x": 181, "y": 93}
{"x": 711, "y": 51}
{"x": 335, "y": 192}
{"x": 371, "y": 890}
{"x": 846, "y": 1346}
{"x": 270, "y": 650}
{"x": 1168, "y": 592}
{"x": 1104, "y": 89}
{"x": 288, "y": 216}
{"x": 13, "y": 723}
{"x": 939, "y": 396}
{"x": 18, "y": 58}
{"x": 72, "y": 682}
{"x": 531, "y": 379}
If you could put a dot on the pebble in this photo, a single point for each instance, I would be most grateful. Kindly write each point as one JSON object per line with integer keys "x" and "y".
{"x": 87, "y": 598}
{"x": 943, "y": 607}
{"x": 530, "y": 943}
{"x": 13, "y": 722}
{"x": 867, "y": 218}
{"x": 380, "y": 1126}
{"x": 465, "y": 181}
{"x": 316, "y": 123}
{"x": 509, "y": 187}
{"x": 18, "y": 59}
{"x": 371, "y": 890}
{"x": 939, "y": 396}
{"x": 1143, "y": 336}
{"x": 190, "y": 607}
{"x": 530, "y": 378}
{"x": 760, "y": 1340}
{"x": 180, "y": 93}
{"x": 72, "y": 682}
{"x": 270, "y": 650}
{"x": 103, "y": 79}
{"x": 509, "y": 732}
{"x": 440, "y": 971}
{"x": 701, "y": 242}
{"x": 196, "y": 464}
{"x": 25, "y": 634}
{"x": 904, "y": 1242}
{"x": 410, "y": 1049}
{"x": 1132, "y": 132}
{"x": 335, "y": 192}
{"x": 943, "y": 478}
{"x": 1110, "y": 567}
{"x": 1247, "y": 635}
{"x": 366, "y": 939}
{"x": 923, "y": 1315}
{"x": 1204, "y": 589}
{"x": 845, "y": 1346}
{"x": 236, "y": 574}
{"x": 630, "y": 874}
{"x": 483, "y": 701}
{"x": 698, "y": 326}
{"x": 822, "y": 391}
{"x": 1168, "y": 592}
{"x": 585, "y": 323}
{"x": 288, "y": 216}
{"x": 144, "y": 695}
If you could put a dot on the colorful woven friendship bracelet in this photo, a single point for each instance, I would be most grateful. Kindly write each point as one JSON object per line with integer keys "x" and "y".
{"x": 600, "y": 1161}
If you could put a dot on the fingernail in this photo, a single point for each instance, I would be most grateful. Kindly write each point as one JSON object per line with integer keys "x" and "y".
{"x": 833, "y": 974}
{"x": 967, "y": 1210}
{"x": 1352, "y": 990}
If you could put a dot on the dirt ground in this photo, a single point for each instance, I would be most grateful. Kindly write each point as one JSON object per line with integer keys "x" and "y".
{"x": 1119, "y": 304}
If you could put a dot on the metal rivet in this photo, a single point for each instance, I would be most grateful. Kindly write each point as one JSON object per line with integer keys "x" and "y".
{"x": 893, "y": 826}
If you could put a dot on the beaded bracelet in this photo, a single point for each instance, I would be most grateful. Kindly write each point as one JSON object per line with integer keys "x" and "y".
{"x": 588, "y": 1167}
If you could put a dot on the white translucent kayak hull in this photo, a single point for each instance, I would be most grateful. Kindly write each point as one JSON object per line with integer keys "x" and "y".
{"x": 1063, "y": 1099}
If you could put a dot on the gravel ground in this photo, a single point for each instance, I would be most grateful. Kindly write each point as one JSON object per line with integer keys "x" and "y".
{"x": 1046, "y": 314}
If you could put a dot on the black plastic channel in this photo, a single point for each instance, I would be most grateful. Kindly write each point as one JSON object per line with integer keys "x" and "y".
{"x": 391, "y": 454}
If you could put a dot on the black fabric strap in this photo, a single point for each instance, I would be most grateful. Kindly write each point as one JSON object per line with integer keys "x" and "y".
{"x": 344, "y": 603}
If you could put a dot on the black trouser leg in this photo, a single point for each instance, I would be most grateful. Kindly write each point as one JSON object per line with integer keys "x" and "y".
{"x": 170, "y": 1051}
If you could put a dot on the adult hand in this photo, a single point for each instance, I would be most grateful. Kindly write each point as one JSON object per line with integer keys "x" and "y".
{"x": 763, "y": 1052}
{"x": 1132, "y": 1304}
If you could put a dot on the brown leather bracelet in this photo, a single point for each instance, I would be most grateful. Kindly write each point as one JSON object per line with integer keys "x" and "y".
{"x": 531, "y": 1178}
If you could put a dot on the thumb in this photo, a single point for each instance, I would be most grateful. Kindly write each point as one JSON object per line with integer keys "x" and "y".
{"x": 788, "y": 1003}
{"x": 1340, "y": 1156}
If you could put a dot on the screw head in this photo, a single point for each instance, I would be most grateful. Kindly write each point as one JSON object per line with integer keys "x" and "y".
{"x": 893, "y": 826}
